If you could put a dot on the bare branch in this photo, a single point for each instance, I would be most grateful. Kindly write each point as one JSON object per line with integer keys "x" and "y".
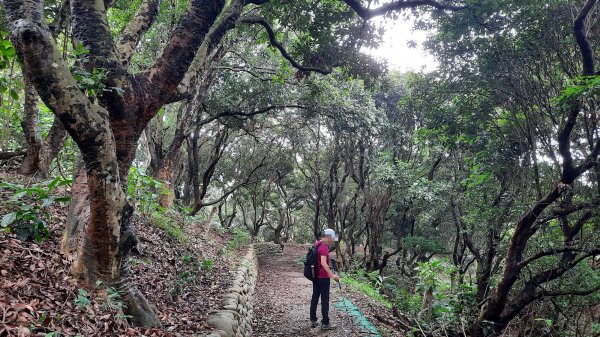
{"x": 280, "y": 47}
{"x": 249, "y": 113}
{"x": 548, "y": 252}
{"x": 574, "y": 292}
{"x": 587, "y": 57}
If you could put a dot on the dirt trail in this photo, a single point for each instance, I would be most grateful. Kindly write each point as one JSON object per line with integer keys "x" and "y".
{"x": 283, "y": 299}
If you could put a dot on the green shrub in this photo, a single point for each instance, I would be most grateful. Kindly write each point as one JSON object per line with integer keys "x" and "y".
{"x": 240, "y": 238}
{"x": 144, "y": 191}
{"x": 448, "y": 305}
{"x": 169, "y": 226}
{"x": 30, "y": 205}
{"x": 408, "y": 303}
{"x": 362, "y": 283}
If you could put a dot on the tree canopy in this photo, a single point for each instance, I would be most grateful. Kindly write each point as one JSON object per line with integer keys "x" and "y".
{"x": 471, "y": 191}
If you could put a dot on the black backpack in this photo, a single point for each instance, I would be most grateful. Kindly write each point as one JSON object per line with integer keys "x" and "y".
{"x": 310, "y": 264}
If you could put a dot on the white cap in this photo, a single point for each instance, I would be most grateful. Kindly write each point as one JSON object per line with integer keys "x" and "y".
{"x": 330, "y": 233}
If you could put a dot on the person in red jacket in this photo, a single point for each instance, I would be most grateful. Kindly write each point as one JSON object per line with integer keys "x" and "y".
{"x": 322, "y": 283}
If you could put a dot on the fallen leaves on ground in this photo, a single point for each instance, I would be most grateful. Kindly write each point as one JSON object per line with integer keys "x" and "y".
{"x": 39, "y": 295}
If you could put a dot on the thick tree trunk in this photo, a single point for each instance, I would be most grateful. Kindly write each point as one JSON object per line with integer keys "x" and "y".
{"x": 280, "y": 225}
{"x": 30, "y": 124}
{"x": 374, "y": 250}
{"x": 107, "y": 135}
{"x": 40, "y": 154}
{"x": 163, "y": 164}
{"x": 79, "y": 210}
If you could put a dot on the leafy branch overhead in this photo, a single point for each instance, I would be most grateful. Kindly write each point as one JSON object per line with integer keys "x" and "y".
{"x": 144, "y": 145}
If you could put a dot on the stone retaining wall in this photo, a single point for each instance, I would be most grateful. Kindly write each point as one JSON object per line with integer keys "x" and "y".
{"x": 235, "y": 317}
{"x": 268, "y": 248}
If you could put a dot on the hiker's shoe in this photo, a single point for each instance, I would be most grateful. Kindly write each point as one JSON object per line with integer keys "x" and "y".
{"x": 326, "y": 327}
{"x": 314, "y": 324}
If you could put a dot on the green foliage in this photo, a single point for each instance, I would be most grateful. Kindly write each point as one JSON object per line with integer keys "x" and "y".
{"x": 10, "y": 103}
{"x": 120, "y": 13}
{"x": 82, "y": 299}
{"x": 422, "y": 245}
{"x": 207, "y": 264}
{"x": 30, "y": 205}
{"x": 113, "y": 300}
{"x": 188, "y": 276}
{"x": 144, "y": 191}
{"x": 240, "y": 238}
{"x": 583, "y": 86}
{"x": 169, "y": 225}
{"x": 406, "y": 302}
{"x": 7, "y": 52}
{"x": 369, "y": 284}
{"x": 92, "y": 82}
{"x": 449, "y": 304}
{"x": 183, "y": 279}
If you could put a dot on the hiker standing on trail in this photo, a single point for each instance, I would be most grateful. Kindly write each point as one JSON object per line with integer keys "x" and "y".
{"x": 322, "y": 281}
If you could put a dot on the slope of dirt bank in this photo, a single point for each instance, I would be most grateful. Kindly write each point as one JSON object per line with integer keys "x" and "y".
{"x": 183, "y": 281}
{"x": 283, "y": 300}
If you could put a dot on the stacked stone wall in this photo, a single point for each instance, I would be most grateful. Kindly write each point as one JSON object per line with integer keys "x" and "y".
{"x": 234, "y": 319}
{"x": 267, "y": 248}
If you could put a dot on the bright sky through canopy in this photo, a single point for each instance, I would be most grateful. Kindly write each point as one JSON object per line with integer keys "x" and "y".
{"x": 395, "y": 46}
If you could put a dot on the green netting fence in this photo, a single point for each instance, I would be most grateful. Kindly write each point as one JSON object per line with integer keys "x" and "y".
{"x": 359, "y": 321}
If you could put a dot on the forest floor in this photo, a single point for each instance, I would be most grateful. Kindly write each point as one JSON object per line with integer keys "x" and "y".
{"x": 282, "y": 302}
{"x": 183, "y": 281}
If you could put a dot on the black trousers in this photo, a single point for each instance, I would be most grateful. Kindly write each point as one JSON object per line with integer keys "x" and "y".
{"x": 320, "y": 289}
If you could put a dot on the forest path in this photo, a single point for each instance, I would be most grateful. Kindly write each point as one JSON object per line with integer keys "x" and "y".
{"x": 282, "y": 299}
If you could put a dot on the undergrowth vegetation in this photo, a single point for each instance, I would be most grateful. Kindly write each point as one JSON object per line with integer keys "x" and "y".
{"x": 28, "y": 207}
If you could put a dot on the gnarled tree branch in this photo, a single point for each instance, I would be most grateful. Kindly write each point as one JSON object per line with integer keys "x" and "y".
{"x": 90, "y": 28}
{"x": 273, "y": 40}
{"x": 587, "y": 55}
{"x": 368, "y": 13}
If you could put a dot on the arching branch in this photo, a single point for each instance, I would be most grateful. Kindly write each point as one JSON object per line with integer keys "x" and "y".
{"x": 587, "y": 55}
{"x": 368, "y": 13}
{"x": 273, "y": 40}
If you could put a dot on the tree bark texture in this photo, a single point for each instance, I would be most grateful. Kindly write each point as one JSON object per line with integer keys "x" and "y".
{"x": 106, "y": 134}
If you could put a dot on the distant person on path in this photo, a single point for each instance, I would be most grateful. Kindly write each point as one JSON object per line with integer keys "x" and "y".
{"x": 322, "y": 283}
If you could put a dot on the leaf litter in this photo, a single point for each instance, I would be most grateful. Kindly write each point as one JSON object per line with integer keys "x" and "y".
{"x": 40, "y": 297}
